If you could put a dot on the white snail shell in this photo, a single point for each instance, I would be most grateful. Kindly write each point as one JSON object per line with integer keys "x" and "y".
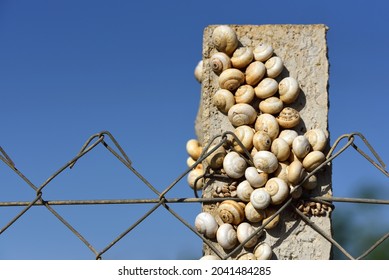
{"x": 246, "y": 256}
{"x": 216, "y": 158}
{"x": 245, "y": 134}
{"x": 266, "y": 88}
{"x": 263, "y": 52}
{"x": 198, "y": 72}
{"x": 261, "y": 141}
{"x": 288, "y": 117}
{"x": 263, "y": 251}
{"x": 193, "y": 148}
{"x": 274, "y": 66}
{"x": 313, "y": 160}
{"x": 219, "y": 62}
{"x": 231, "y": 212}
{"x": 190, "y": 161}
{"x": 255, "y": 178}
{"x": 241, "y": 114}
{"x": 244, "y": 94}
{"x": 231, "y": 79}
{"x": 260, "y": 199}
{"x": 242, "y": 57}
{"x": 223, "y": 99}
{"x": 243, "y": 232}
{"x": 295, "y": 172}
{"x": 193, "y": 175}
{"x": 278, "y": 190}
{"x": 288, "y": 89}
{"x": 255, "y": 72}
{"x": 317, "y": 138}
{"x": 253, "y": 215}
{"x": 280, "y": 148}
{"x": 271, "y": 105}
{"x": 234, "y": 165}
{"x": 301, "y": 146}
{"x": 226, "y": 236}
{"x": 268, "y": 124}
{"x": 224, "y": 39}
{"x": 209, "y": 257}
{"x": 265, "y": 161}
{"x": 288, "y": 135}
{"x": 206, "y": 224}
{"x": 244, "y": 190}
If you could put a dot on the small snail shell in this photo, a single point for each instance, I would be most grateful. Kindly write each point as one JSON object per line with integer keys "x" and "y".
{"x": 209, "y": 257}
{"x": 206, "y": 224}
{"x": 226, "y": 236}
{"x": 301, "y": 146}
{"x": 190, "y": 161}
{"x": 223, "y": 99}
{"x": 256, "y": 179}
{"x": 271, "y": 105}
{"x": 263, "y": 251}
{"x": 278, "y": 190}
{"x": 246, "y": 256}
{"x": 317, "y": 138}
{"x": 260, "y": 199}
{"x": 288, "y": 117}
{"x": 243, "y": 232}
{"x": 193, "y": 175}
{"x": 234, "y": 165}
{"x": 274, "y": 222}
{"x": 244, "y": 190}
{"x": 224, "y": 39}
{"x": 288, "y": 135}
{"x": 266, "y": 88}
{"x": 280, "y": 148}
{"x": 268, "y": 124}
{"x": 313, "y": 160}
{"x": 263, "y": 52}
{"x": 241, "y": 114}
{"x": 245, "y": 134}
{"x": 231, "y": 212}
{"x": 281, "y": 171}
{"x": 244, "y": 94}
{"x": 288, "y": 89}
{"x": 253, "y": 215}
{"x": 255, "y": 72}
{"x": 219, "y": 62}
{"x": 296, "y": 192}
{"x": 261, "y": 141}
{"x": 295, "y": 172}
{"x": 265, "y": 161}
{"x": 274, "y": 67}
{"x": 193, "y": 148}
{"x": 216, "y": 158}
{"x": 311, "y": 183}
{"x": 198, "y": 72}
{"x": 242, "y": 57}
{"x": 231, "y": 79}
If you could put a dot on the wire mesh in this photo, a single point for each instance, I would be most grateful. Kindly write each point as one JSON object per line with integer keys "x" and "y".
{"x": 162, "y": 201}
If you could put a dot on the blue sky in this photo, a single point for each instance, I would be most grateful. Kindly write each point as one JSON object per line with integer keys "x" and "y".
{"x": 69, "y": 69}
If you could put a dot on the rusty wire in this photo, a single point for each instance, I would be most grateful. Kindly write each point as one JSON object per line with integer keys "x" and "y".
{"x": 162, "y": 201}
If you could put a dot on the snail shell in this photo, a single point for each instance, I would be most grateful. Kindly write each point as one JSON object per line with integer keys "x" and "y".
{"x": 263, "y": 251}
{"x": 231, "y": 212}
{"x": 226, "y": 236}
{"x": 274, "y": 222}
{"x": 263, "y": 52}
{"x": 317, "y": 138}
{"x": 243, "y": 232}
{"x": 260, "y": 199}
{"x": 271, "y": 105}
{"x": 193, "y": 175}
{"x": 255, "y": 72}
{"x": 313, "y": 160}
{"x": 242, "y": 57}
{"x": 210, "y": 257}
{"x": 244, "y": 94}
{"x": 198, "y": 71}
{"x": 231, "y": 79}
{"x": 288, "y": 89}
{"x": 253, "y": 215}
{"x": 194, "y": 148}
{"x": 281, "y": 171}
{"x": 223, "y": 99}
{"x": 234, "y": 165}
{"x": 265, "y": 161}
{"x": 311, "y": 183}
{"x": 295, "y": 172}
{"x": 274, "y": 67}
{"x": 278, "y": 190}
{"x": 261, "y": 141}
{"x": 246, "y": 256}
{"x": 288, "y": 135}
{"x": 206, "y": 224}
{"x": 190, "y": 161}
{"x": 224, "y": 39}
{"x": 266, "y": 88}
{"x": 244, "y": 190}
{"x": 301, "y": 146}
{"x": 268, "y": 124}
{"x": 245, "y": 134}
{"x": 280, "y": 148}
{"x": 216, "y": 158}
{"x": 242, "y": 114}
{"x": 256, "y": 179}
{"x": 288, "y": 117}
{"x": 219, "y": 62}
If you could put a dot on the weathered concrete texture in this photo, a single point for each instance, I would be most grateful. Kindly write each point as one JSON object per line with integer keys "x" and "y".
{"x": 303, "y": 50}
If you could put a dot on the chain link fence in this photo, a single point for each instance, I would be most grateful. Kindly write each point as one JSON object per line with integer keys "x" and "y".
{"x": 161, "y": 199}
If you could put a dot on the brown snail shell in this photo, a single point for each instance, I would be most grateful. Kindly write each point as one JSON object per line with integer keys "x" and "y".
{"x": 219, "y": 62}
{"x": 224, "y": 39}
{"x": 223, "y": 99}
{"x": 267, "y": 123}
{"x": 245, "y": 134}
{"x": 231, "y": 79}
{"x": 255, "y": 72}
{"x": 313, "y": 160}
{"x": 242, "y": 57}
{"x": 317, "y": 138}
{"x": 295, "y": 172}
{"x": 244, "y": 94}
{"x": 271, "y": 105}
{"x": 261, "y": 141}
{"x": 216, "y": 158}
{"x": 280, "y": 148}
{"x": 274, "y": 222}
{"x": 242, "y": 114}
{"x": 231, "y": 212}
{"x": 288, "y": 117}
{"x": 193, "y": 148}
{"x": 253, "y": 215}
